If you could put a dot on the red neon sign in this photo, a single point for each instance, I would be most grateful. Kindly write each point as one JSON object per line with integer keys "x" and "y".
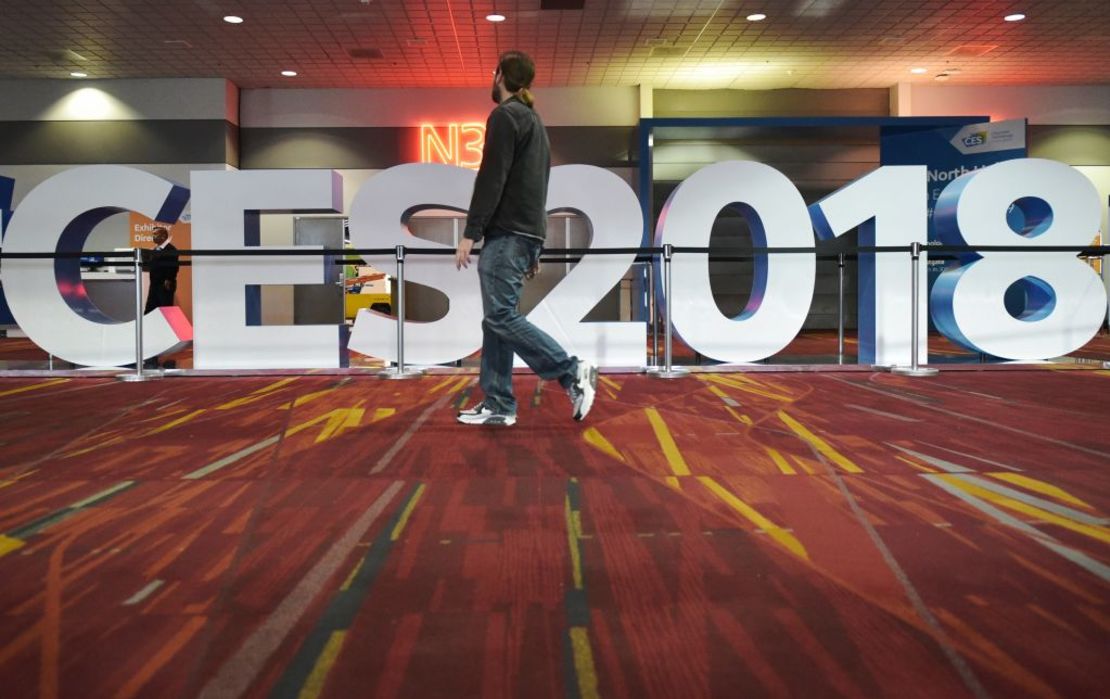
{"x": 454, "y": 144}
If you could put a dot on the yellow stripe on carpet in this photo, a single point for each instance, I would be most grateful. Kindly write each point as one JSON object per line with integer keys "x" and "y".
{"x": 9, "y": 544}
{"x": 780, "y": 535}
{"x": 666, "y": 442}
{"x": 782, "y": 463}
{"x": 819, "y": 444}
{"x": 407, "y": 513}
{"x": 584, "y": 663}
{"x": 314, "y": 685}
{"x": 32, "y": 387}
{"x": 598, "y": 441}
{"x": 1098, "y": 533}
{"x": 1041, "y": 487}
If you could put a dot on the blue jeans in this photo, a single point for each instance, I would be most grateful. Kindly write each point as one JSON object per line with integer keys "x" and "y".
{"x": 504, "y": 261}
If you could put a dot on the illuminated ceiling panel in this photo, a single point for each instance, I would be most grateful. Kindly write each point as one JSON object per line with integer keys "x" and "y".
{"x": 678, "y": 44}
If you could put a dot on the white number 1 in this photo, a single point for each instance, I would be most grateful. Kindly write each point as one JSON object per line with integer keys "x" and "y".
{"x": 889, "y": 206}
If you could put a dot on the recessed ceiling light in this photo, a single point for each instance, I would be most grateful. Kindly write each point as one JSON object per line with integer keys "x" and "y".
{"x": 289, "y": 73}
{"x": 919, "y": 71}
{"x": 78, "y": 74}
{"x": 233, "y": 19}
{"x": 1016, "y": 17}
{"x": 495, "y": 17}
{"x": 757, "y": 17}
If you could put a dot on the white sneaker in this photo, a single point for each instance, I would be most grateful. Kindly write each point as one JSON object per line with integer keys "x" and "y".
{"x": 481, "y": 415}
{"x": 476, "y": 410}
{"x": 583, "y": 390}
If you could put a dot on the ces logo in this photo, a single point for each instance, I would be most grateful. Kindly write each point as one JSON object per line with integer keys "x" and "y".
{"x": 975, "y": 139}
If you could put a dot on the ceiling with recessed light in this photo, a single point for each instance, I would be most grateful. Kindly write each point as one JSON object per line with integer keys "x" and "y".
{"x": 665, "y": 44}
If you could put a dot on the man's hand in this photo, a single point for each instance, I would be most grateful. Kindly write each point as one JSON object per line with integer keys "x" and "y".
{"x": 462, "y": 255}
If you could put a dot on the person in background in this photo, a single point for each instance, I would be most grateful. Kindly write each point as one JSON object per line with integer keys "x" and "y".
{"x": 508, "y": 210}
{"x": 162, "y": 269}
{"x": 163, "y": 272}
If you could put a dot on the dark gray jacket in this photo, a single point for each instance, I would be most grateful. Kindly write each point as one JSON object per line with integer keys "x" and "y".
{"x": 510, "y": 192}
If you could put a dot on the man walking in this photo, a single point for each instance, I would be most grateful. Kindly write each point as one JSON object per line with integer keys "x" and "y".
{"x": 163, "y": 280}
{"x": 163, "y": 272}
{"x": 508, "y": 210}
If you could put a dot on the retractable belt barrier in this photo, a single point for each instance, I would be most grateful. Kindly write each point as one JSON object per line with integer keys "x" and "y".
{"x": 644, "y": 255}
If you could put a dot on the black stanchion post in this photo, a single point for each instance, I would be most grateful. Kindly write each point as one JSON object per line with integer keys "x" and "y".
{"x": 137, "y": 266}
{"x": 668, "y": 253}
{"x": 914, "y": 369}
{"x": 840, "y": 308}
{"x": 668, "y": 371}
{"x": 654, "y": 313}
{"x": 399, "y": 371}
{"x": 1105, "y": 277}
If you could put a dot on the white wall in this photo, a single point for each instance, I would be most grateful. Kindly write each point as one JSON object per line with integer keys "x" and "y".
{"x": 563, "y": 106}
{"x": 122, "y": 100}
{"x": 1072, "y": 104}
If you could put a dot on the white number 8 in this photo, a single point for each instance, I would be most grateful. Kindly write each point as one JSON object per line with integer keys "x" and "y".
{"x": 1065, "y": 299}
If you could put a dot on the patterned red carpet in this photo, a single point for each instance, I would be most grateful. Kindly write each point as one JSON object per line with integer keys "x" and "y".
{"x": 724, "y": 535}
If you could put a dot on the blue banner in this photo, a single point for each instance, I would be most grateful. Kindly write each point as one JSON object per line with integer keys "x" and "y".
{"x": 950, "y": 152}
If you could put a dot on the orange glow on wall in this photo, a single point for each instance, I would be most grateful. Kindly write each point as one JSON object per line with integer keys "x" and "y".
{"x": 454, "y": 144}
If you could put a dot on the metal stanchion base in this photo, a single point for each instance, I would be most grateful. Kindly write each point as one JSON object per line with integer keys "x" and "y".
{"x": 912, "y": 371}
{"x": 145, "y": 376}
{"x": 658, "y": 372}
{"x": 395, "y": 373}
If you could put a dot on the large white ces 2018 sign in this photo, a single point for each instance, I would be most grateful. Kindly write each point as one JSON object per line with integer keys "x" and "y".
{"x": 1065, "y": 305}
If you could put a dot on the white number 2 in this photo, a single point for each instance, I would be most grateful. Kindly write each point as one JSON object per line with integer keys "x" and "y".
{"x": 616, "y": 222}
